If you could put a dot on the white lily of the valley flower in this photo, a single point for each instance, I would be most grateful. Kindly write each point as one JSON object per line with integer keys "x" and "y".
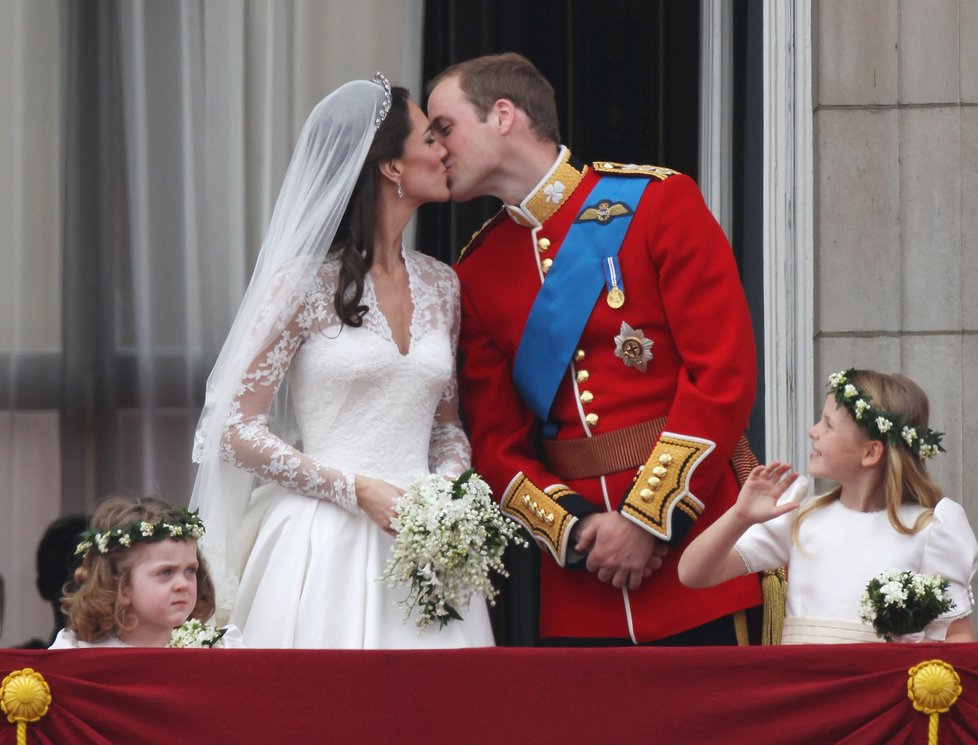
{"x": 195, "y": 634}
{"x": 450, "y": 539}
{"x": 837, "y": 379}
{"x": 909, "y": 435}
{"x": 901, "y": 603}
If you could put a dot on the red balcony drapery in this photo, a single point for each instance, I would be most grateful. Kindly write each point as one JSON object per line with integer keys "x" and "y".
{"x": 785, "y": 695}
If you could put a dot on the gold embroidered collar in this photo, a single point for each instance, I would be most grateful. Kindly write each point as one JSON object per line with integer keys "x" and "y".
{"x": 550, "y": 194}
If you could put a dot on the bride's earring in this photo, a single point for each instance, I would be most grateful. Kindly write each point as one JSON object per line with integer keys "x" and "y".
{"x": 400, "y": 192}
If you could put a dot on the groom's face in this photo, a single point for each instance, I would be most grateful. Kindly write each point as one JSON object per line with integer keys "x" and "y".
{"x": 467, "y": 139}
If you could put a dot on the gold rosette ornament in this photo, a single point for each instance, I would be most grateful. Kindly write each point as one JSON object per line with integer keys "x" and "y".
{"x": 933, "y": 687}
{"x": 24, "y": 698}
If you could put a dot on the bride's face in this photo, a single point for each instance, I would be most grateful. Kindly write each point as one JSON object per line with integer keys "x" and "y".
{"x": 423, "y": 174}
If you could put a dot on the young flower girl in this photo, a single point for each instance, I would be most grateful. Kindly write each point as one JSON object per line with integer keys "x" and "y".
{"x": 141, "y": 579}
{"x": 885, "y": 514}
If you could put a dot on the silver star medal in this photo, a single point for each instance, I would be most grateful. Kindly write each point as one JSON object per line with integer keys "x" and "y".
{"x": 632, "y": 348}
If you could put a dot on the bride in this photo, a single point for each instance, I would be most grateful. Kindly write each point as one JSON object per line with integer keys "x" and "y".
{"x": 348, "y": 337}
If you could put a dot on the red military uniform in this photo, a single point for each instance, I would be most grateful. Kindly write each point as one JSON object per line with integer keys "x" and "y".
{"x": 682, "y": 293}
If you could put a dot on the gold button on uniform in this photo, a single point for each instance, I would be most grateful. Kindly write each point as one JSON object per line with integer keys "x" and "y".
{"x": 586, "y": 397}
{"x": 646, "y": 494}
{"x": 543, "y": 244}
{"x": 579, "y": 355}
{"x": 582, "y": 376}
{"x": 546, "y": 264}
{"x": 665, "y": 459}
{"x": 591, "y": 419}
{"x": 659, "y": 471}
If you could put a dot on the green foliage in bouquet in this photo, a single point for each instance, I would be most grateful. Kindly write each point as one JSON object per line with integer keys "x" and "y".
{"x": 900, "y": 602}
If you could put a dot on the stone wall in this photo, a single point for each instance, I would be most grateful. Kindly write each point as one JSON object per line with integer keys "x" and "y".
{"x": 896, "y": 207}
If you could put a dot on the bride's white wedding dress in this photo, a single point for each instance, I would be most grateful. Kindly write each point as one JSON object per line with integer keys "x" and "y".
{"x": 311, "y": 576}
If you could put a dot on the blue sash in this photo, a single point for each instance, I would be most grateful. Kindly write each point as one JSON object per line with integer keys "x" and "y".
{"x": 567, "y": 297}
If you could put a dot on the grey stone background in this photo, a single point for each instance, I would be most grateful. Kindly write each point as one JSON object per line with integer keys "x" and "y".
{"x": 896, "y": 207}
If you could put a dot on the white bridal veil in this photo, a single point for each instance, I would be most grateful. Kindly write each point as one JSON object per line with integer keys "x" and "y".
{"x": 324, "y": 168}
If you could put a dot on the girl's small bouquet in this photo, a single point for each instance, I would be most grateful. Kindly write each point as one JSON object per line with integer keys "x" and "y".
{"x": 193, "y": 633}
{"x": 901, "y": 602}
{"x": 450, "y": 538}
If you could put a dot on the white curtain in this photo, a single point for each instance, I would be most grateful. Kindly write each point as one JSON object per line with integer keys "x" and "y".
{"x": 30, "y": 301}
{"x": 196, "y": 105}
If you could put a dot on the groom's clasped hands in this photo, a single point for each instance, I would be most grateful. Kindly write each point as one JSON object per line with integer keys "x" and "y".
{"x": 618, "y": 550}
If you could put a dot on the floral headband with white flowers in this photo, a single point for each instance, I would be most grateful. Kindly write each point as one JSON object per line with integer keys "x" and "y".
{"x": 881, "y": 424}
{"x": 124, "y": 536}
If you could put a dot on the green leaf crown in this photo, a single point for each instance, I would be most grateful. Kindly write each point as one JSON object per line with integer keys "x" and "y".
{"x": 881, "y": 424}
{"x": 139, "y": 531}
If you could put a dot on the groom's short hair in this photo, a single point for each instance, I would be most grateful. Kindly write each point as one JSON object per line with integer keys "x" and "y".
{"x": 484, "y": 80}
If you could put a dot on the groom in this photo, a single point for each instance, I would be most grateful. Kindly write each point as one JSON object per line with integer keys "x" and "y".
{"x": 607, "y": 363}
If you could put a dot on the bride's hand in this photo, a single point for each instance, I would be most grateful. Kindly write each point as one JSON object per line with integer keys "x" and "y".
{"x": 376, "y": 498}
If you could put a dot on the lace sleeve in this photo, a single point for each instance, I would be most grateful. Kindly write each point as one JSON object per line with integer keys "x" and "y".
{"x": 248, "y": 443}
{"x": 449, "y": 453}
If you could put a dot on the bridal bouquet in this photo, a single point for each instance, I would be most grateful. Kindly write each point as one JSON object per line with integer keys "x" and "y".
{"x": 899, "y": 602}
{"x": 450, "y": 538}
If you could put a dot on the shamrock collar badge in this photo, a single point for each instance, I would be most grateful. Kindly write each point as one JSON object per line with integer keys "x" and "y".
{"x": 554, "y": 192}
{"x": 632, "y": 348}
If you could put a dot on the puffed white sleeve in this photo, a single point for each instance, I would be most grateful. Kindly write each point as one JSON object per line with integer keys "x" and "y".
{"x": 232, "y": 638}
{"x": 952, "y": 552}
{"x": 768, "y": 545}
{"x": 66, "y": 639}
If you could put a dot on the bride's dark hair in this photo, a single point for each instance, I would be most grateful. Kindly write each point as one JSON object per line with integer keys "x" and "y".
{"x": 354, "y": 239}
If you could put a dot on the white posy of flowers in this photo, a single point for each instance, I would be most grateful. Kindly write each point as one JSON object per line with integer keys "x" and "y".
{"x": 194, "y": 633}
{"x": 899, "y": 602}
{"x": 450, "y": 540}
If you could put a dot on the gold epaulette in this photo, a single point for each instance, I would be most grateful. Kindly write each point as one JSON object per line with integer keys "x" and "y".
{"x": 476, "y": 238}
{"x": 631, "y": 169}
{"x": 662, "y": 486}
{"x": 540, "y": 513}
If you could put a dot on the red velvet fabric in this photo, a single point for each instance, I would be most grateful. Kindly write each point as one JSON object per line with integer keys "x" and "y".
{"x": 852, "y": 694}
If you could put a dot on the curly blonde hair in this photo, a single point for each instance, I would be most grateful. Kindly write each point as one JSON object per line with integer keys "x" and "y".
{"x": 93, "y": 600}
{"x": 905, "y": 477}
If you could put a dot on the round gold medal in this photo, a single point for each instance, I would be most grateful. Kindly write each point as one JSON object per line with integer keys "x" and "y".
{"x": 616, "y": 298}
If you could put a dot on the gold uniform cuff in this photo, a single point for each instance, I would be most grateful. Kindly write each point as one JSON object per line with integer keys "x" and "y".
{"x": 662, "y": 485}
{"x": 540, "y": 513}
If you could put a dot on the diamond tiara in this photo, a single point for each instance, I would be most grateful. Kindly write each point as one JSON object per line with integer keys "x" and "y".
{"x": 381, "y": 80}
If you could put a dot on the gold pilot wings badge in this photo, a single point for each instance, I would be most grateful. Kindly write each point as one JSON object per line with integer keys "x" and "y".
{"x": 603, "y": 211}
